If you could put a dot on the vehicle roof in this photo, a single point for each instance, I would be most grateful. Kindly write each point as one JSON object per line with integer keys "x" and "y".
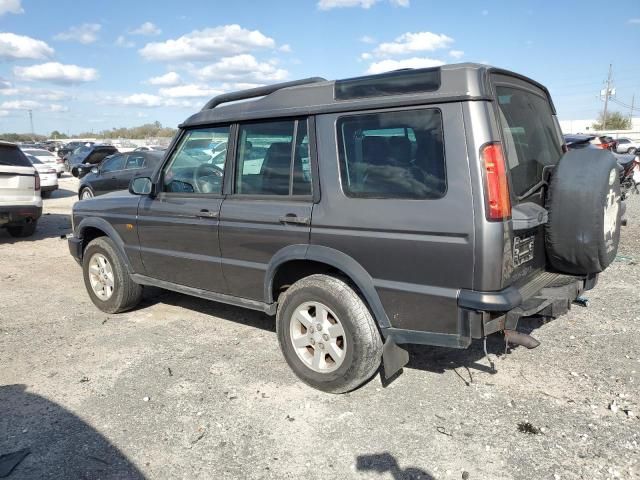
{"x": 7, "y": 144}
{"x": 457, "y": 82}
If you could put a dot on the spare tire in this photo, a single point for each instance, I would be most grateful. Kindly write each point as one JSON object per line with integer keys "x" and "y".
{"x": 584, "y": 205}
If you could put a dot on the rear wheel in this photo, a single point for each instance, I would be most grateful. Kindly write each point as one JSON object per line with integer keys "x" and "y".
{"x": 106, "y": 278}
{"x": 631, "y": 151}
{"x": 21, "y": 231}
{"x": 46, "y": 194}
{"x": 327, "y": 334}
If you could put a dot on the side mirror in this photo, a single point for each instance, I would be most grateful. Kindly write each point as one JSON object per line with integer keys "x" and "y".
{"x": 95, "y": 170}
{"x": 141, "y": 186}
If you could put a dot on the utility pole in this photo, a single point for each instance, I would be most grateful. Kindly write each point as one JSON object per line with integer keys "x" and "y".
{"x": 633, "y": 98}
{"x": 31, "y": 122}
{"x": 607, "y": 92}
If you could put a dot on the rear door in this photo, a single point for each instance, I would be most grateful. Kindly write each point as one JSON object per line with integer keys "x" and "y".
{"x": 107, "y": 177}
{"x": 17, "y": 177}
{"x": 532, "y": 144}
{"x": 270, "y": 203}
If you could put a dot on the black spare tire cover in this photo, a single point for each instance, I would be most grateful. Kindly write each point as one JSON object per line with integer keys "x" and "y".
{"x": 583, "y": 230}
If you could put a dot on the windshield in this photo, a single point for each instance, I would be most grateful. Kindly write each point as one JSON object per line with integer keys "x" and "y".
{"x": 530, "y": 135}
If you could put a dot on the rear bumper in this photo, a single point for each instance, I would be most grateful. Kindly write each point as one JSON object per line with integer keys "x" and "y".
{"x": 483, "y": 313}
{"x": 19, "y": 214}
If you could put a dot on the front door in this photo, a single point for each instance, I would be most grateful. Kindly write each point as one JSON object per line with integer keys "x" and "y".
{"x": 178, "y": 229}
{"x": 270, "y": 203}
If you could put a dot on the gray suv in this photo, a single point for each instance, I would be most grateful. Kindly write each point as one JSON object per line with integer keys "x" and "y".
{"x": 433, "y": 206}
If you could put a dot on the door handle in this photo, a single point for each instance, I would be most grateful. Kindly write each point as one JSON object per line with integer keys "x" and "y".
{"x": 293, "y": 218}
{"x": 206, "y": 214}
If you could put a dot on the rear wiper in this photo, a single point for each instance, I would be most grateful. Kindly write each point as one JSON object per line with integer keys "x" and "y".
{"x": 546, "y": 174}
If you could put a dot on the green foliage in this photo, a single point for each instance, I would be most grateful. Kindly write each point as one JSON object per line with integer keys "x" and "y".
{"x": 615, "y": 121}
{"x": 58, "y": 135}
{"x": 21, "y": 137}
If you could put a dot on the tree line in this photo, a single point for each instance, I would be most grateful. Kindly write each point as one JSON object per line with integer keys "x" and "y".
{"x": 148, "y": 130}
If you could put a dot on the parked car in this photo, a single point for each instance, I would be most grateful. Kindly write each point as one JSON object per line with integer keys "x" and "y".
{"x": 365, "y": 213}
{"x": 67, "y": 149}
{"x": 20, "y": 200}
{"x": 116, "y": 171}
{"x": 48, "y": 176}
{"x": 626, "y": 145}
{"x": 46, "y": 157}
{"x": 83, "y": 158}
{"x": 156, "y": 148}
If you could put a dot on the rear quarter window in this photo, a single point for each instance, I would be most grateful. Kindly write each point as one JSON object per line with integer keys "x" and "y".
{"x": 396, "y": 154}
{"x": 13, "y": 157}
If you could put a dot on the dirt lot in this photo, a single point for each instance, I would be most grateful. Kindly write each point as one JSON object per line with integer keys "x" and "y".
{"x": 185, "y": 388}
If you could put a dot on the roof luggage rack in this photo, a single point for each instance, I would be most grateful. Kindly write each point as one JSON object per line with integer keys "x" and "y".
{"x": 257, "y": 92}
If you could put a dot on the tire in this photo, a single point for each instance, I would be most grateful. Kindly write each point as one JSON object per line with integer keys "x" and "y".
{"x": 85, "y": 193}
{"x": 584, "y": 205}
{"x": 631, "y": 151}
{"x": 59, "y": 175}
{"x": 46, "y": 194}
{"x": 75, "y": 172}
{"x": 125, "y": 293}
{"x": 22, "y": 231}
{"x": 358, "y": 340}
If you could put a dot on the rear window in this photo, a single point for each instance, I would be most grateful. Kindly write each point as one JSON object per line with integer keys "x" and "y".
{"x": 13, "y": 156}
{"x": 393, "y": 155}
{"x": 530, "y": 136}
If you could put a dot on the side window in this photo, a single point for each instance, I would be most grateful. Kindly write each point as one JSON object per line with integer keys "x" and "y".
{"x": 265, "y": 153}
{"x": 133, "y": 162}
{"x": 393, "y": 155}
{"x": 197, "y": 163}
{"x": 112, "y": 164}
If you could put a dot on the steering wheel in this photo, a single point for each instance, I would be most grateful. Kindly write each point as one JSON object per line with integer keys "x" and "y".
{"x": 201, "y": 176}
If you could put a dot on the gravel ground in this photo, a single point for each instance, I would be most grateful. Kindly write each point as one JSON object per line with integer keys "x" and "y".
{"x": 185, "y": 388}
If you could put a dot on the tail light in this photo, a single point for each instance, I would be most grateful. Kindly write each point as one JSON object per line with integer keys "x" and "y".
{"x": 37, "y": 182}
{"x": 497, "y": 197}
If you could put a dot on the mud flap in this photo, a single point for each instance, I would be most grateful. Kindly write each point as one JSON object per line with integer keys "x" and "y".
{"x": 393, "y": 358}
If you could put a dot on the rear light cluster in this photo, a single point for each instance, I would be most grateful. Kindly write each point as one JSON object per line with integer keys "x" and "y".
{"x": 37, "y": 182}
{"x": 496, "y": 185}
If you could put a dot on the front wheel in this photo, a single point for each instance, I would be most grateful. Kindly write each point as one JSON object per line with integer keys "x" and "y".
{"x": 327, "y": 334}
{"x": 22, "y": 231}
{"x": 106, "y": 278}
{"x": 86, "y": 193}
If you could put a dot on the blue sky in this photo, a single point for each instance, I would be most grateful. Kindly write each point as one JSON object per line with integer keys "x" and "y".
{"x": 93, "y": 65}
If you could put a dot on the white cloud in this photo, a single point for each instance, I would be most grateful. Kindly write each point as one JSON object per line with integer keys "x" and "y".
{"x": 37, "y": 93}
{"x": 415, "y": 62}
{"x": 456, "y": 54}
{"x": 189, "y": 91}
{"x": 147, "y": 28}
{"x": 485, "y": 13}
{"x": 3, "y": 113}
{"x": 286, "y": 48}
{"x": 366, "y": 56}
{"x": 14, "y": 47}
{"x": 242, "y": 68}
{"x": 330, "y": 4}
{"x": 142, "y": 100}
{"x": 11, "y": 6}
{"x": 414, "y": 42}
{"x": 58, "y": 108}
{"x": 367, "y": 39}
{"x": 86, "y": 33}
{"x": 56, "y": 73}
{"x": 207, "y": 44}
{"x": 167, "y": 80}
{"x": 634, "y": 21}
{"x": 20, "y": 105}
{"x": 122, "y": 41}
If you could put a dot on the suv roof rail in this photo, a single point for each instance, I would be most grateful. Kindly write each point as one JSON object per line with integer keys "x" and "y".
{"x": 257, "y": 92}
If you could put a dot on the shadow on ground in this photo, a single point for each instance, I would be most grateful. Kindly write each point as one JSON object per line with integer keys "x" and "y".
{"x": 50, "y": 225}
{"x": 387, "y": 463}
{"x": 62, "y": 193}
{"x": 59, "y": 444}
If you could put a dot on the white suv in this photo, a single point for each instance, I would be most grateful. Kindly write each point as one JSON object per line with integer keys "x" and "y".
{"x": 20, "y": 199}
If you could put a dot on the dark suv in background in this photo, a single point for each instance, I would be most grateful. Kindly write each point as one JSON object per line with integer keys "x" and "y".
{"x": 115, "y": 172}
{"x": 431, "y": 206}
{"x": 80, "y": 162}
